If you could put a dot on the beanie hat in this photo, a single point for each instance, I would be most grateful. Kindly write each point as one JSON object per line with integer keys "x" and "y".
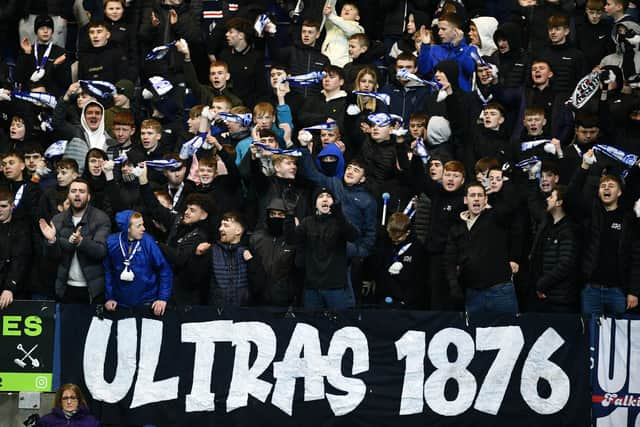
{"x": 451, "y": 69}
{"x": 438, "y": 130}
{"x": 322, "y": 190}
{"x": 42, "y": 21}
{"x": 125, "y": 87}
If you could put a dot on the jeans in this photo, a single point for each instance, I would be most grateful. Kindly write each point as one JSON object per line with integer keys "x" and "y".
{"x": 598, "y": 301}
{"x": 497, "y": 299}
{"x": 321, "y": 299}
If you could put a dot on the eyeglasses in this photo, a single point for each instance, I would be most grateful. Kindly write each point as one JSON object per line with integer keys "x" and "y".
{"x": 69, "y": 398}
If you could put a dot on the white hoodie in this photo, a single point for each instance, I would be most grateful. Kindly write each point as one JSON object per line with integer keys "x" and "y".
{"x": 486, "y": 26}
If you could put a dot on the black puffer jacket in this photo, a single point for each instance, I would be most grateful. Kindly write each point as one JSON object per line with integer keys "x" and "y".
{"x": 554, "y": 253}
{"x": 514, "y": 64}
{"x": 554, "y": 257}
{"x": 300, "y": 59}
{"x": 96, "y": 225}
{"x": 568, "y": 65}
{"x": 380, "y": 159}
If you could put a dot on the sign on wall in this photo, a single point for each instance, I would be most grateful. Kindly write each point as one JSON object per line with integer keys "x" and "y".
{"x": 26, "y": 343}
{"x": 244, "y": 367}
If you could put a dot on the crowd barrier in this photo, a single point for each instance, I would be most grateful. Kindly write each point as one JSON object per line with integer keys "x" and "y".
{"x": 202, "y": 365}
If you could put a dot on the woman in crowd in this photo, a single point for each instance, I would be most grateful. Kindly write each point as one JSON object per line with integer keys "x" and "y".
{"x": 70, "y": 410}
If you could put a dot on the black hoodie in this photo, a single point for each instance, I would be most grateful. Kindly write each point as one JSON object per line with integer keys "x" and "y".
{"x": 593, "y": 40}
{"x": 513, "y": 65}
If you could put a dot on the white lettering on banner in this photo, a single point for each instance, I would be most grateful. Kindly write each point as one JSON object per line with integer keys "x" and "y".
{"x": 305, "y": 339}
{"x": 95, "y": 354}
{"x": 445, "y": 370}
{"x": 619, "y": 368}
{"x": 614, "y": 400}
{"x": 204, "y": 335}
{"x": 616, "y": 380}
{"x": 536, "y": 366}
{"x": 313, "y": 367}
{"x": 634, "y": 356}
{"x": 245, "y": 379}
{"x": 412, "y": 347}
{"x": 147, "y": 390}
{"x": 343, "y": 339}
{"x": 508, "y": 340}
{"x": 303, "y": 359}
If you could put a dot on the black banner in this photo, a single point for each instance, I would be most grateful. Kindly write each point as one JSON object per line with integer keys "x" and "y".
{"x": 26, "y": 340}
{"x": 199, "y": 366}
{"x": 616, "y": 372}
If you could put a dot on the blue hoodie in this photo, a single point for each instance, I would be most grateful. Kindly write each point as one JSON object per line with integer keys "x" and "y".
{"x": 153, "y": 276}
{"x": 331, "y": 150}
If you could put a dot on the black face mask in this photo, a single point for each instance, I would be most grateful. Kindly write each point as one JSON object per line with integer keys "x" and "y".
{"x": 329, "y": 168}
{"x": 275, "y": 225}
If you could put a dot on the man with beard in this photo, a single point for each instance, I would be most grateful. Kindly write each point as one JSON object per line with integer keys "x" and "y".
{"x": 229, "y": 279}
{"x": 554, "y": 252}
{"x": 76, "y": 237}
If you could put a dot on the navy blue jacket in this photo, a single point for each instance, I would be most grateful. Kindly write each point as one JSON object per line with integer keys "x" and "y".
{"x": 405, "y": 102}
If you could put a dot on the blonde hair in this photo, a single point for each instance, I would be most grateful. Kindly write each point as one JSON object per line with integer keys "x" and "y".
{"x": 366, "y": 103}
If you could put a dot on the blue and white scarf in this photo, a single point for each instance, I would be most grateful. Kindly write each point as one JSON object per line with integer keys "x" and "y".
{"x": 42, "y": 99}
{"x": 159, "y": 52}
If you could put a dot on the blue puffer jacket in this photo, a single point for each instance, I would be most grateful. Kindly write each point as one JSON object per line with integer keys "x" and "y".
{"x": 430, "y": 56}
{"x": 358, "y": 205}
{"x": 56, "y": 418}
{"x": 153, "y": 275}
